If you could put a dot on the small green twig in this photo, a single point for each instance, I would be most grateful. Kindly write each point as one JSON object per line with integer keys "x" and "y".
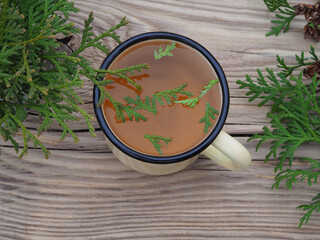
{"x": 166, "y": 52}
{"x": 109, "y": 33}
{"x": 284, "y": 19}
{"x": 192, "y": 102}
{"x": 155, "y": 140}
{"x": 314, "y": 206}
{"x": 209, "y": 116}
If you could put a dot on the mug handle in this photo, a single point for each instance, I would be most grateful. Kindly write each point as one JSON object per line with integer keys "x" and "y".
{"x": 228, "y": 152}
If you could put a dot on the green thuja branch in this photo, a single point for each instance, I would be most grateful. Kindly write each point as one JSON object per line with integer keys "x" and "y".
{"x": 124, "y": 71}
{"x": 314, "y": 206}
{"x": 272, "y": 87}
{"x": 294, "y": 121}
{"x": 294, "y": 176}
{"x": 139, "y": 104}
{"x": 88, "y": 41}
{"x": 285, "y": 17}
{"x": 282, "y": 23}
{"x": 35, "y": 74}
{"x": 170, "y": 95}
{"x": 191, "y": 102}
{"x": 131, "y": 112}
{"x": 291, "y": 123}
{"x": 150, "y": 103}
{"x": 208, "y": 117}
{"x": 10, "y": 16}
{"x": 275, "y": 4}
{"x": 100, "y": 73}
{"x": 207, "y": 87}
{"x": 166, "y": 52}
{"x": 301, "y": 60}
{"x": 309, "y": 175}
{"x": 155, "y": 140}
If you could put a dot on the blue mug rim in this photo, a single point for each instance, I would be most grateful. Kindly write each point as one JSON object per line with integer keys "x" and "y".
{"x": 198, "y": 148}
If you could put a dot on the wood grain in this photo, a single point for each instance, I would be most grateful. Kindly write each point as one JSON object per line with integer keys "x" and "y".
{"x": 83, "y": 192}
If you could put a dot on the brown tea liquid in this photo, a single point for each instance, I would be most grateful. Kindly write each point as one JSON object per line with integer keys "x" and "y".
{"x": 176, "y": 121}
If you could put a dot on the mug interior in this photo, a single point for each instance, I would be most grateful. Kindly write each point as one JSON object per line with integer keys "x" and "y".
{"x": 198, "y": 148}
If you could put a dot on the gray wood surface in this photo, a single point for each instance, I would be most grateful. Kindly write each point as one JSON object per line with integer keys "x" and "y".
{"x": 83, "y": 192}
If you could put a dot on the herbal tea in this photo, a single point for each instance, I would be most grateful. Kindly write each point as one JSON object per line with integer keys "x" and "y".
{"x": 179, "y": 99}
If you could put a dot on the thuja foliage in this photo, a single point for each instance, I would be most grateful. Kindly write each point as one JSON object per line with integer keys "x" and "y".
{"x": 150, "y": 103}
{"x": 166, "y": 52}
{"x": 210, "y": 111}
{"x": 155, "y": 140}
{"x": 192, "y": 102}
{"x": 294, "y": 120}
{"x": 284, "y": 17}
{"x": 36, "y": 75}
{"x": 209, "y": 116}
{"x": 170, "y": 96}
{"x": 286, "y": 13}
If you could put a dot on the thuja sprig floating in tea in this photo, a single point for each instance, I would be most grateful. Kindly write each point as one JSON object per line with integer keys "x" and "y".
{"x": 209, "y": 116}
{"x": 166, "y": 52}
{"x": 294, "y": 119}
{"x": 155, "y": 140}
{"x": 150, "y": 103}
{"x": 170, "y": 95}
{"x": 209, "y": 112}
{"x": 191, "y": 102}
{"x": 35, "y": 75}
{"x": 139, "y": 104}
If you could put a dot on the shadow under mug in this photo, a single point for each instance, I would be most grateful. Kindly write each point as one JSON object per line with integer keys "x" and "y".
{"x": 218, "y": 145}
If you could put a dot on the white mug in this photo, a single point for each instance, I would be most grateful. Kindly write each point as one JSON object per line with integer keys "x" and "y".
{"x": 218, "y": 145}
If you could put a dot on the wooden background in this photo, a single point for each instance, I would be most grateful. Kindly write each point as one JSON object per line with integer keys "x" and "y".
{"x": 83, "y": 192}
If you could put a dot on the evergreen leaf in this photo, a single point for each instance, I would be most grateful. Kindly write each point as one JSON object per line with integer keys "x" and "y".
{"x": 294, "y": 121}
{"x": 139, "y": 103}
{"x": 21, "y": 112}
{"x": 36, "y": 74}
{"x": 155, "y": 140}
{"x": 166, "y": 52}
{"x": 309, "y": 208}
{"x": 284, "y": 19}
{"x": 170, "y": 95}
{"x": 192, "y": 102}
{"x": 209, "y": 116}
{"x": 275, "y": 4}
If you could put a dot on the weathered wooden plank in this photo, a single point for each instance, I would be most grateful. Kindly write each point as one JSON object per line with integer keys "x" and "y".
{"x": 94, "y": 196}
{"x": 95, "y": 145}
{"x": 83, "y": 192}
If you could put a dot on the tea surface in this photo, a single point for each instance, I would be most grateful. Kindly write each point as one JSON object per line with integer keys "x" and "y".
{"x": 179, "y": 122}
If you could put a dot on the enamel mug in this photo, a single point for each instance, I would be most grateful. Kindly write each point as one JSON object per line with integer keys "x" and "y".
{"x": 218, "y": 145}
